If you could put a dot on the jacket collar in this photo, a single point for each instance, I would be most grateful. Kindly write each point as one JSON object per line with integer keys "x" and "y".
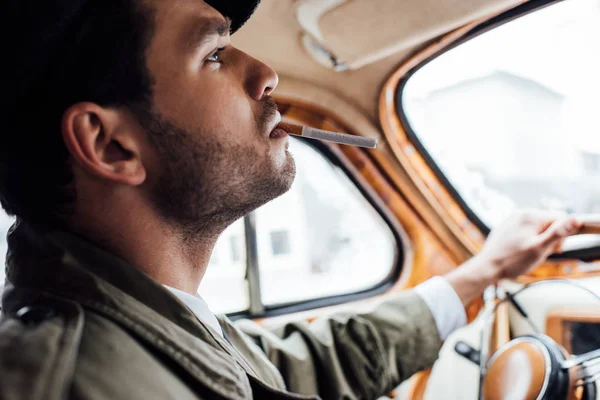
{"x": 65, "y": 265}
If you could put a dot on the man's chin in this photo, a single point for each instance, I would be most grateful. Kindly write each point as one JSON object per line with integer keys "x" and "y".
{"x": 268, "y": 187}
{"x": 290, "y": 166}
{"x": 287, "y": 174}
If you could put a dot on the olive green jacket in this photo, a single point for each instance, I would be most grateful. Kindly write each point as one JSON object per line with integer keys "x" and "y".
{"x": 79, "y": 323}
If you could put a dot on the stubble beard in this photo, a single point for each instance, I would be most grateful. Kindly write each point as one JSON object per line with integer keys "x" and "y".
{"x": 204, "y": 187}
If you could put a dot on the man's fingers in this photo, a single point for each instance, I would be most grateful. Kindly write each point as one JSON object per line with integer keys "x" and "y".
{"x": 558, "y": 247}
{"x": 542, "y": 217}
{"x": 559, "y": 230}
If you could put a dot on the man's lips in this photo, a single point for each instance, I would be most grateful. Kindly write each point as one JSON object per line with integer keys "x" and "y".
{"x": 273, "y": 126}
{"x": 278, "y": 133}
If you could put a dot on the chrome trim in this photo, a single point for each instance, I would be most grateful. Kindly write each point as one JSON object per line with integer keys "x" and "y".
{"x": 486, "y": 331}
{"x": 588, "y": 371}
{"x": 587, "y": 381}
{"x": 490, "y": 296}
{"x": 583, "y": 358}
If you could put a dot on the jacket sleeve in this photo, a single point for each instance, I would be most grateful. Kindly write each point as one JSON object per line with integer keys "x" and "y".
{"x": 353, "y": 356}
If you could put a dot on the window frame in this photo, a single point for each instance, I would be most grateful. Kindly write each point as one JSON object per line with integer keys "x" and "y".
{"x": 586, "y": 254}
{"x": 258, "y": 310}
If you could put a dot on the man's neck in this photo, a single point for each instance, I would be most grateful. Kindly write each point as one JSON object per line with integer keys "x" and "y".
{"x": 161, "y": 251}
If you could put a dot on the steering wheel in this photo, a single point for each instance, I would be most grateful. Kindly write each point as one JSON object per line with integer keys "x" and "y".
{"x": 532, "y": 367}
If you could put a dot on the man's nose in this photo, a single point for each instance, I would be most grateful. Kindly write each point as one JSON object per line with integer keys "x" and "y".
{"x": 262, "y": 80}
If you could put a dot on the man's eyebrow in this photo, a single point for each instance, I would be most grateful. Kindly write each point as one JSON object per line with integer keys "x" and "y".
{"x": 200, "y": 30}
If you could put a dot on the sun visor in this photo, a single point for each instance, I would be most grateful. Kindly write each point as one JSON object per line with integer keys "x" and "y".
{"x": 349, "y": 34}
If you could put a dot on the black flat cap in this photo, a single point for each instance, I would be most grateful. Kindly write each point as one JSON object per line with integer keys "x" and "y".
{"x": 238, "y": 11}
{"x": 33, "y": 32}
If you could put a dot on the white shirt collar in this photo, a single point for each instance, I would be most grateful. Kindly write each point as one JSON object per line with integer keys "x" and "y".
{"x": 199, "y": 307}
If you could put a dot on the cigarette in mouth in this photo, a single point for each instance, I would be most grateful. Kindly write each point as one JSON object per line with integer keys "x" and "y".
{"x": 319, "y": 134}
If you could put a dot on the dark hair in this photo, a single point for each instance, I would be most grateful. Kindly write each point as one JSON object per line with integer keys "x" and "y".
{"x": 101, "y": 60}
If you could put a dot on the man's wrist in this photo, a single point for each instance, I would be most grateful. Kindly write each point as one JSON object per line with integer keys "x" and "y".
{"x": 473, "y": 277}
{"x": 486, "y": 269}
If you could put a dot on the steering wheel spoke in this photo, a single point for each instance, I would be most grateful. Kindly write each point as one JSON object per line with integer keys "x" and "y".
{"x": 593, "y": 355}
{"x": 584, "y": 368}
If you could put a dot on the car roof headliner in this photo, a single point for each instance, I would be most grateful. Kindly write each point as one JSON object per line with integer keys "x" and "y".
{"x": 378, "y": 33}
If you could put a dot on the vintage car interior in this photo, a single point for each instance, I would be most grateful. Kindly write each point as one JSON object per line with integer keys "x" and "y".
{"x": 481, "y": 107}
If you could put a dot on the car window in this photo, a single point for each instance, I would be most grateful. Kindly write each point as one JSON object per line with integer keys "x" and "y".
{"x": 322, "y": 238}
{"x": 224, "y": 286}
{"x": 510, "y": 116}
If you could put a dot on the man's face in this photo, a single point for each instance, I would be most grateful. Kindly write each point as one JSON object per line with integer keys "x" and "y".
{"x": 210, "y": 122}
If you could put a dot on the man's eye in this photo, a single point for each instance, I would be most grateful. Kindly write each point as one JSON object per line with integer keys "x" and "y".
{"x": 216, "y": 56}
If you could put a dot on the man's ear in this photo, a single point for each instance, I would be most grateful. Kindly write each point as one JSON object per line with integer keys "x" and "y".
{"x": 105, "y": 142}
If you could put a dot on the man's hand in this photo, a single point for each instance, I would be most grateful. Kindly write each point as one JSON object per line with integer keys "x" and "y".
{"x": 515, "y": 247}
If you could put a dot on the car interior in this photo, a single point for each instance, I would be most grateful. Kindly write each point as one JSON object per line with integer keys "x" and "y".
{"x": 480, "y": 108}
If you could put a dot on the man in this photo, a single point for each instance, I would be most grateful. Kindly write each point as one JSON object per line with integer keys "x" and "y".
{"x": 133, "y": 135}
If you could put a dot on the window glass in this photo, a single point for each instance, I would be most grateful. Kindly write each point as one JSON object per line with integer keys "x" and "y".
{"x": 236, "y": 247}
{"x": 510, "y": 117}
{"x": 224, "y": 286}
{"x": 322, "y": 238}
